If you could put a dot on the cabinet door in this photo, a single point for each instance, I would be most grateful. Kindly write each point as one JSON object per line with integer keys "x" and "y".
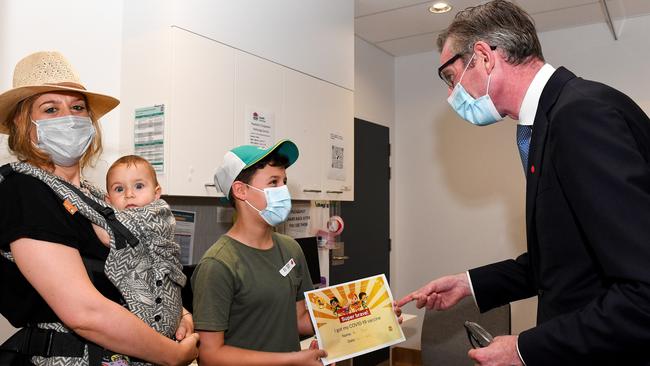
{"x": 301, "y": 124}
{"x": 337, "y": 136}
{"x": 258, "y": 89}
{"x": 201, "y": 123}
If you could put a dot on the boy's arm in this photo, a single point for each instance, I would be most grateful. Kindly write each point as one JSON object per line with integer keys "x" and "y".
{"x": 213, "y": 352}
{"x": 304, "y": 321}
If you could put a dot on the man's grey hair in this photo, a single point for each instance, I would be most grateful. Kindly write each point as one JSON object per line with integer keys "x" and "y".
{"x": 499, "y": 23}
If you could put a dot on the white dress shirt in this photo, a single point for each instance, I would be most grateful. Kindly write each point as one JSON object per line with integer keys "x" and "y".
{"x": 527, "y": 113}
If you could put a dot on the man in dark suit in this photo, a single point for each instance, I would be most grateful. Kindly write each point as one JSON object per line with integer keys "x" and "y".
{"x": 587, "y": 198}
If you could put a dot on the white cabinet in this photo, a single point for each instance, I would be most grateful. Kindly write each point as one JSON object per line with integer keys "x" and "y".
{"x": 200, "y": 124}
{"x": 258, "y": 87}
{"x": 208, "y": 89}
{"x": 318, "y": 116}
{"x": 338, "y": 159}
{"x": 301, "y": 125}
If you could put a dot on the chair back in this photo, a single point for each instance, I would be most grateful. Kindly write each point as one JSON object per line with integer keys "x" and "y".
{"x": 444, "y": 340}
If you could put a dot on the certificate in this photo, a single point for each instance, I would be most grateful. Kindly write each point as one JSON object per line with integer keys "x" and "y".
{"x": 354, "y": 318}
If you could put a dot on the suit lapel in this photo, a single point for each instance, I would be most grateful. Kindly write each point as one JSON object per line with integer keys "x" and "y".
{"x": 535, "y": 167}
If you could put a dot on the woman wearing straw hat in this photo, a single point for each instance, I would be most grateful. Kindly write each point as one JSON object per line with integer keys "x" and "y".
{"x": 69, "y": 312}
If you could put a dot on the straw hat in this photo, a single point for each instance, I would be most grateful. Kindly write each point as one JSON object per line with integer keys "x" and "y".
{"x": 43, "y": 72}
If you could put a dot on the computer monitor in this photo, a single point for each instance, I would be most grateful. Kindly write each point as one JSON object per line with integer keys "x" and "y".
{"x": 309, "y": 247}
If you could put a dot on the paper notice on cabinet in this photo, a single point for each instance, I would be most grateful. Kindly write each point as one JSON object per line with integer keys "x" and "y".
{"x": 184, "y": 233}
{"x": 297, "y": 224}
{"x": 337, "y": 167}
{"x": 260, "y": 127}
{"x": 149, "y": 135}
{"x": 354, "y": 318}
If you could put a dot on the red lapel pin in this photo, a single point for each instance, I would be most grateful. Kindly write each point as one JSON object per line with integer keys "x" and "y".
{"x": 532, "y": 169}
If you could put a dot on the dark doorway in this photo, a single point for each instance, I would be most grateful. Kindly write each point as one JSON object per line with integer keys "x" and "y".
{"x": 366, "y": 234}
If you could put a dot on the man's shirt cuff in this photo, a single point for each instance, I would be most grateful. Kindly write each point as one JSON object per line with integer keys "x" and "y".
{"x": 471, "y": 288}
{"x": 519, "y": 353}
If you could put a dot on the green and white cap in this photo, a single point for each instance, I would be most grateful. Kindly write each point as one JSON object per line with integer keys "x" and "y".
{"x": 245, "y": 156}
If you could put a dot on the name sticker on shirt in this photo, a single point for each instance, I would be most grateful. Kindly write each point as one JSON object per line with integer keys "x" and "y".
{"x": 284, "y": 271}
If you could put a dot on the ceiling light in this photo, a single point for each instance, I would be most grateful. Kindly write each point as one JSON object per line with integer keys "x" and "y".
{"x": 439, "y": 7}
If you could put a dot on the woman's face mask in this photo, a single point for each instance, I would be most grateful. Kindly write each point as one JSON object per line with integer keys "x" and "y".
{"x": 278, "y": 204}
{"x": 65, "y": 139}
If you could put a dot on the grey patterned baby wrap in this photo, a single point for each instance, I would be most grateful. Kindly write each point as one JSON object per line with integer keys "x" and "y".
{"x": 149, "y": 275}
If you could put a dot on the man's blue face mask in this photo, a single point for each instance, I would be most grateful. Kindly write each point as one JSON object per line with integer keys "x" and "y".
{"x": 481, "y": 111}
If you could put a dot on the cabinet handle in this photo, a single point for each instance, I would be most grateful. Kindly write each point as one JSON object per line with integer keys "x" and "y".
{"x": 210, "y": 185}
{"x": 340, "y": 257}
{"x": 312, "y": 190}
{"x": 338, "y": 192}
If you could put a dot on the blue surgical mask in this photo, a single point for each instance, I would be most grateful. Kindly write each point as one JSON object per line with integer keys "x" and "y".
{"x": 65, "y": 139}
{"x": 278, "y": 204}
{"x": 481, "y": 111}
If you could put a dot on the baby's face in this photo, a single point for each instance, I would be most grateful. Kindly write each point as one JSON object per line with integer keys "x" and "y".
{"x": 131, "y": 186}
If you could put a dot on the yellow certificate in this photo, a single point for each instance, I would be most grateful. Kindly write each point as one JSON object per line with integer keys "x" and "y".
{"x": 354, "y": 318}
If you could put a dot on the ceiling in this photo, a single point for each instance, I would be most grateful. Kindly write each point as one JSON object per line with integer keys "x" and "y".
{"x": 404, "y": 27}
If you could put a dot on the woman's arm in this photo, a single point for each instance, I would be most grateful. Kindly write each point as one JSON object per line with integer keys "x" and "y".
{"x": 214, "y": 352}
{"x": 58, "y": 274}
{"x": 304, "y": 321}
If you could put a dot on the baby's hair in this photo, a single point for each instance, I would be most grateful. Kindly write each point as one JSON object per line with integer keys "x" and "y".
{"x": 132, "y": 160}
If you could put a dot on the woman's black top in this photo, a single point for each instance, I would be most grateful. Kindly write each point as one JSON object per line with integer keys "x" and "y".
{"x": 30, "y": 209}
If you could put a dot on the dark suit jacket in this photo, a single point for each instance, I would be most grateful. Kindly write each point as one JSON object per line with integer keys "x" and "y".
{"x": 588, "y": 230}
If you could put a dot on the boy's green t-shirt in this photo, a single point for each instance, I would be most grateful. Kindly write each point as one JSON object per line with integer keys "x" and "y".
{"x": 239, "y": 290}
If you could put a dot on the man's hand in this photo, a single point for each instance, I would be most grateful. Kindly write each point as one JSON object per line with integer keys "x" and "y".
{"x": 501, "y": 352}
{"x": 398, "y": 312}
{"x": 439, "y": 294}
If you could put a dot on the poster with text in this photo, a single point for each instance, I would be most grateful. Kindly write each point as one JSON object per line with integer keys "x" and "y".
{"x": 149, "y": 135}
{"x": 354, "y": 318}
{"x": 260, "y": 127}
{"x": 184, "y": 233}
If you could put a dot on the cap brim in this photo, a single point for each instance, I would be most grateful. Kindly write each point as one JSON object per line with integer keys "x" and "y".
{"x": 284, "y": 147}
{"x": 99, "y": 104}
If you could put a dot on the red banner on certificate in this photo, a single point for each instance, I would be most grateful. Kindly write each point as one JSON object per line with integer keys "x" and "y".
{"x": 354, "y": 318}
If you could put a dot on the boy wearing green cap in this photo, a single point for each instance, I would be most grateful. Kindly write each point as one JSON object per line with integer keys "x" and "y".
{"x": 249, "y": 305}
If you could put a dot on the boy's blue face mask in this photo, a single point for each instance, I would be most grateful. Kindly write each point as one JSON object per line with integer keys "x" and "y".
{"x": 481, "y": 111}
{"x": 278, "y": 204}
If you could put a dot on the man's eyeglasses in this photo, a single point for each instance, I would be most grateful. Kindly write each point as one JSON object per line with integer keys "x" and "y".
{"x": 449, "y": 78}
{"x": 478, "y": 336}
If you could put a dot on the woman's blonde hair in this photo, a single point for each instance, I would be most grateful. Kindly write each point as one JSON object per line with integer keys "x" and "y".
{"x": 20, "y": 140}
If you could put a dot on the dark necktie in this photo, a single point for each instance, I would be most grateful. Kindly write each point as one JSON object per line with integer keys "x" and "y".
{"x": 523, "y": 142}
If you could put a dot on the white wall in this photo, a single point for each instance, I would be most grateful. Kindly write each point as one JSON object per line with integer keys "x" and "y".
{"x": 460, "y": 188}
{"x": 87, "y": 32}
{"x": 374, "y": 72}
